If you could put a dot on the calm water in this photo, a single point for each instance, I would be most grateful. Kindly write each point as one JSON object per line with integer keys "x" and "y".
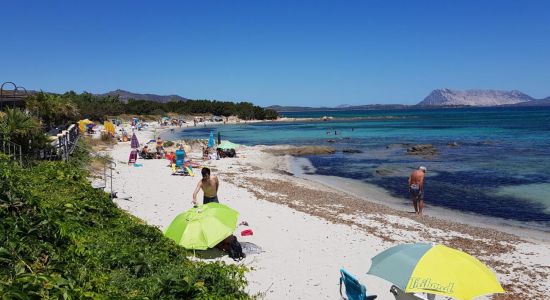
{"x": 500, "y": 167}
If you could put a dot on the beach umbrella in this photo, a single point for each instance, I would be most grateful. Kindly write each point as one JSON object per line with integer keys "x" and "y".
{"x": 203, "y": 226}
{"x": 228, "y": 145}
{"x": 211, "y": 139}
{"x": 134, "y": 143}
{"x": 435, "y": 269}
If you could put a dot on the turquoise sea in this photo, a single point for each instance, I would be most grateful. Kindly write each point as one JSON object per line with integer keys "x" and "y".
{"x": 491, "y": 161}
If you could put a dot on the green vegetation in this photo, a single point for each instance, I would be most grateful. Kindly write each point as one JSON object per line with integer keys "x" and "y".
{"x": 19, "y": 127}
{"x": 98, "y": 107}
{"x": 62, "y": 239}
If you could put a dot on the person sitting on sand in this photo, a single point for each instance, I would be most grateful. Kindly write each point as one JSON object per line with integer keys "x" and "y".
{"x": 159, "y": 144}
{"x": 416, "y": 189}
{"x": 144, "y": 153}
{"x": 209, "y": 185}
{"x": 205, "y": 153}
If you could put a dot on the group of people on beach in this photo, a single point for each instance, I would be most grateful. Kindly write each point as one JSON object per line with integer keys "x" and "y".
{"x": 146, "y": 153}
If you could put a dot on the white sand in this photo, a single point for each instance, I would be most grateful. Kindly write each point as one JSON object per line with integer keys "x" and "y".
{"x": 301, "y": 254}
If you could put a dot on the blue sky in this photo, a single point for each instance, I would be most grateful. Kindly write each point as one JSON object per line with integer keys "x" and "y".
{"x": 278, "y": 52}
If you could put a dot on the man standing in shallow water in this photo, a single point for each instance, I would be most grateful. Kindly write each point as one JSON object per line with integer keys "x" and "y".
{"x": 416, "y": 189}
{"x": 209, "y": 185}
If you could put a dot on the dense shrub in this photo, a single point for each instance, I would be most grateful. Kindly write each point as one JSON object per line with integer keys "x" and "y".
{"x": 60, "y": 238}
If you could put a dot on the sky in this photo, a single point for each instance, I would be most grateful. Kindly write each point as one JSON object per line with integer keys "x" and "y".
{"x": 303, "y": 53}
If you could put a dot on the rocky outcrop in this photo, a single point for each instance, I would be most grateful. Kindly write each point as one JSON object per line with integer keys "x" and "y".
{"x": 422, "y": 149}
{"x": 300, "y": 151}
{"x": 453, "y": 144}
{"x": 352, "y": 151}
{"x": 383, "y": 172}
{"x": 447, "y": 97}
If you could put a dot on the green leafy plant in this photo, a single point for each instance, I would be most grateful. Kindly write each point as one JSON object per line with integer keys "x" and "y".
{"x": 62, "y": 239}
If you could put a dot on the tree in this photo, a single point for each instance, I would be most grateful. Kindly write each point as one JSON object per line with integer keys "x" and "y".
{"x": 52, "y": 109}
{"x": 19, "y": 127}
{"x": 271, "y": 114}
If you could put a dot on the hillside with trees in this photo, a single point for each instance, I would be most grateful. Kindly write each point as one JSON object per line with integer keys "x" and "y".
{"x": 99, "y": 106}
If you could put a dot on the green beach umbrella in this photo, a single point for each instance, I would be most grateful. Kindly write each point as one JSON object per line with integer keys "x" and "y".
{"x": 435, "y": 269}
{"x": 203, "y": 227}
{"x": 228, "y": 145}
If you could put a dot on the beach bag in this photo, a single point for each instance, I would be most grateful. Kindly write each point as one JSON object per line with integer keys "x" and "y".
{"x": 235, "y": 250}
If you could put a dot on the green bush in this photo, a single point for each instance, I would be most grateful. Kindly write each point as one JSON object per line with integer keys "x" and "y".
{"x": 60, "y": 238}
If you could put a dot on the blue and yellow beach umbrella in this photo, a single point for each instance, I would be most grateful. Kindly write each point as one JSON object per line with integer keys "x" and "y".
{"x": 435, "y": 269}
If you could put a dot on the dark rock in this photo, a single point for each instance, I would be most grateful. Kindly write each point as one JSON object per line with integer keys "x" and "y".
{"x": 453, "y": 144}
{"x": 422, "y": 149}
{"x": 298, "y": 151}
{"x": 401, "y": 145}
{"x": 352, "y": 151}
{"x": 383, "y": 172}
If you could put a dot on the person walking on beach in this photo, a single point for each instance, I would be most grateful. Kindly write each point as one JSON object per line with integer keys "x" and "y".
{"x": 209, "y": 185}
{"x": 416, "y": 189}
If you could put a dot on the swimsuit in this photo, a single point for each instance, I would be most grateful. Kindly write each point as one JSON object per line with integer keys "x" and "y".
{"x": 206, "y": 200}
{"x": 416, "y": 192}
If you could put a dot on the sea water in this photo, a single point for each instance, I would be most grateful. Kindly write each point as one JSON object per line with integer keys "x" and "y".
{"x": 490, "y": 161}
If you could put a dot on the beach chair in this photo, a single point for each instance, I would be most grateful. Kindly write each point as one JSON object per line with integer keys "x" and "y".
{"x": 178, "y": 168}
{"x": 354, "y": 289}
{"x": 399, "y": 294}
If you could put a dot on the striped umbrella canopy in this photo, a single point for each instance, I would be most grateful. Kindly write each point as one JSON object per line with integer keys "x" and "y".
{"x": 435, "y": 269}
{"x": 134, "y": 143}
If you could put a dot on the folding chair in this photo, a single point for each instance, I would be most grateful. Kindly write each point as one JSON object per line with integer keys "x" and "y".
{"x": 354, "y": 289}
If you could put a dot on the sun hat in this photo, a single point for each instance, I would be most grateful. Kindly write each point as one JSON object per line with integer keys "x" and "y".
{"x": 422, "y": 168}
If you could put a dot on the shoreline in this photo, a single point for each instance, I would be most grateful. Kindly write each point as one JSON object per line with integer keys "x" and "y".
{"x": 306, "y": 231}
{"x": 480, "y": 218}
{"x": 373, "y": 193}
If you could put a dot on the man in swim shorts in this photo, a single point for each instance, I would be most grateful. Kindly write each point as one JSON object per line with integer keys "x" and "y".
{"x": 209, "y": 185}
{"x": 416, "y": 189}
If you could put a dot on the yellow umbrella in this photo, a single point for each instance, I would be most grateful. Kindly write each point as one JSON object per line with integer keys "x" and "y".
{"x": 435, "y": 269}
{"x": 82, "y": 124}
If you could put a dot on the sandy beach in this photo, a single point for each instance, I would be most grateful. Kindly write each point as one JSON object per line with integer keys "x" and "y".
{"x": 305, "y": 231}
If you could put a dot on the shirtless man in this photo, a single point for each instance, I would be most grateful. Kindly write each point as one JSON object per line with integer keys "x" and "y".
{"x": 416, "y": 189}
{"x": 209, "y": 185}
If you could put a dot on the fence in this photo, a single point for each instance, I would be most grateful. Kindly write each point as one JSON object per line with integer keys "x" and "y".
{"x": 12, "y": 150}
{"x": 66, "y": 142}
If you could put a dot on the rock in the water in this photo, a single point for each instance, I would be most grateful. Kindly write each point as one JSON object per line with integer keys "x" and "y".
{"x": 453, "y": 144}
{"x": 383, "y": 172}
{"x": 422, "y": 149}
{"x": 352, "y": 151}
{"x": 298, "y": 151}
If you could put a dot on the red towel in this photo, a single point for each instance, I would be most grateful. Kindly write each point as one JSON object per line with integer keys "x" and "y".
{"x": 247, "y": 232}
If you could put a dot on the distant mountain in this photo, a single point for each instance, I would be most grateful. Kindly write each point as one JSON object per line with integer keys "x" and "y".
{"x": 447, "y": 97}
{"x": 126, "y": 95}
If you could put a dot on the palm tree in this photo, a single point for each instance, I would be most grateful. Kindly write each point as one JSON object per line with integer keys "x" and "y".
{"x": 21, "y": 128}
{"x": 51, "y": 109}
